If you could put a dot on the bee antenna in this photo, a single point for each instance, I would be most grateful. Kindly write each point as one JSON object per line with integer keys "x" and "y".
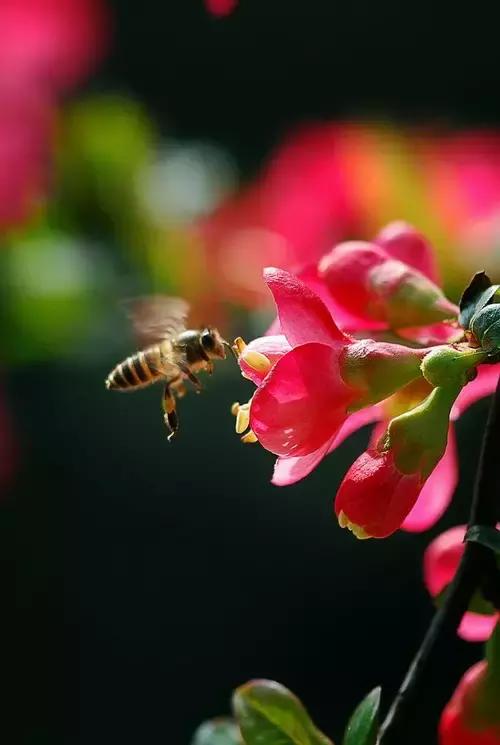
{"x": 230, "y": 347}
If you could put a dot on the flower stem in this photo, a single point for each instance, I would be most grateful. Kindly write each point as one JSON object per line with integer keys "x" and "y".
{"x": 477, "y": 565}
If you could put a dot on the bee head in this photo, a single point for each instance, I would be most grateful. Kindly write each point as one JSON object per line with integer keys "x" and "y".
{"x": 213, "y": 343}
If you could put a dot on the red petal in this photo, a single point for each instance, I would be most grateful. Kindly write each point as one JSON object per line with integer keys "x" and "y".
{"x": 483, "y": 385}
{"x": 441, "y": 559}
{"x": 476, "y": 628}
{"x": 403, "y": 242}
{"x": 343, "y": 318}
{"x": 273, "y": 347}
{"x": 302, "y": 402}
{"x": 355, "y": 421}
{"x": 290, "y": 470}
{"x": 437, "y": 491}
{"x": 375, "y": 495}
{"x": 303, "y": 316}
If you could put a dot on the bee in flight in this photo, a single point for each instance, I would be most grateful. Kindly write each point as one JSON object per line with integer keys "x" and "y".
{"x": 170, "y": 352}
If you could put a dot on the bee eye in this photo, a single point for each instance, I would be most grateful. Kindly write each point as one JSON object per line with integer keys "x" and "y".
{"x": 208, "y": 340}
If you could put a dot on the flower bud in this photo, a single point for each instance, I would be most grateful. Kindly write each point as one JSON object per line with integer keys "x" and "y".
{"x": 383, "y": 484}
{"x": 371, "y": 285}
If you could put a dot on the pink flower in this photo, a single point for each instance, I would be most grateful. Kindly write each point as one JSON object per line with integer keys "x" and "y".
{"x": 221, "y": 8}
{"x": 411, "y": 464}
{"x": 472, "y": 717}
{"x": 309, "y": 376}
{"x": 26, "y": 124}
{"x": 441, "y": 560}
{"x": 51, "y": 43}
{"x": 289, "y": 216}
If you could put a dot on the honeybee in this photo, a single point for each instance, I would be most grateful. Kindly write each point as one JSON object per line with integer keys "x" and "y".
{"x": 170, "y": 352}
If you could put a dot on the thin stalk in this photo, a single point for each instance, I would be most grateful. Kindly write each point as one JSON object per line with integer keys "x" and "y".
{"x": 475, "y": 567}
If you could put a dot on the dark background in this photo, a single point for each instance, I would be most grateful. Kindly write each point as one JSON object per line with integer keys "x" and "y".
{"x": 153, "y": 579}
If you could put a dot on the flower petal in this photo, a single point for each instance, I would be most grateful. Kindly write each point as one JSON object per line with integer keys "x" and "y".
{"x": 475, "y": 627}
{"x": 290, "y": 470}
{"x": 302, "y": 402}
{"x": 343, "y": 318}
{"x": 403, "y": 242}
{"x": 436, "y": 333}
{"x": 355, "y": 421}
{"x": 483, "y": 385}
{"x": 303, "y": 316}
{"x": 273, "y": 347}
{"x": 437, "y": 491}
{"x": 441, "y": 559}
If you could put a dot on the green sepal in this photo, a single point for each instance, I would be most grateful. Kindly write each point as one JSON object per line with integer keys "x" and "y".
{"x": 270, "y": 714}
{"x": 221, "y": 731}
{"x": 363, "y": 724}
{"x": 493, "y": 658}
{"x": 485, "y": 535}
{"x": 476, "y": 296}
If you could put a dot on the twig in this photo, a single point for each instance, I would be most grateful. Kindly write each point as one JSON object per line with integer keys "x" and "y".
{"x": 477, "y": 565}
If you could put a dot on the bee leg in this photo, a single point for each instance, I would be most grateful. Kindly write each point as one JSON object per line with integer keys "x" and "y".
{"x": 192, "y": 377}
{"x": 178, "y": 387}
{"x": 170, "y": 418}
{"x": 210, "y": 367}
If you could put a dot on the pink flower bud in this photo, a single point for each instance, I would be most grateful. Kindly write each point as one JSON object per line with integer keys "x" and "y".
{"x": 375, "y": 496}
{"x": 472, "y": 716}
{"x": 370, "y": 284}
{"x": 221, "y": 7}
{"x": 383, "y": 485}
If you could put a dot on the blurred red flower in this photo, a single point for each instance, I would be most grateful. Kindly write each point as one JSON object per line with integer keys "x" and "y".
{"x": 221, "y": 7}
{"x": 472, "y": 716}
{"x": 53, "y": 43}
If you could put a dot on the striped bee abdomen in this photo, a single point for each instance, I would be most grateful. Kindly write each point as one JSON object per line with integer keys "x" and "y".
{"x": 136, "y": 371}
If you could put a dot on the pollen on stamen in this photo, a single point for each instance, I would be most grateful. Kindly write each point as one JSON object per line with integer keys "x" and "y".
{"x": 239, "y": 346}
{"x": 242, "y": 418}
{"x": 356, "y": 530}
{"x": 250, "y": 437}
{"x": 257, "y": 361}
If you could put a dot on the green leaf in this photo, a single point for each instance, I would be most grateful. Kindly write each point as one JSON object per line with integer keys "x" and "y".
{"x": 485, "y": 325}
{"x": 363, "y": 725}
{"x": 478, "y": 294}
{"x": 221, "y": 731}
{"x": 485, "y": 535}
{"x": 270, "y": 714}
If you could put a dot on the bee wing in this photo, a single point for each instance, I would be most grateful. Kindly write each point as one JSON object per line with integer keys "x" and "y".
{"x": 157, "y": 317}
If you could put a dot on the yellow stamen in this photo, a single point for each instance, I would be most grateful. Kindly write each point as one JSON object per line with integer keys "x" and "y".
{"x": 242, "y": 419}
{"x": 356, "y": 530}
{"x": 256, "y": 360}
{"x": 235, "y": 408}
{"x": 343, "y": 519}
{"x": 239, "y": 346}
{"x": 249, "y": 437}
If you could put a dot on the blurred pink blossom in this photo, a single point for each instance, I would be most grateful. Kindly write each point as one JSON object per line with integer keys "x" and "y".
{"x": 441, "y": 560}
{"x": 26, "y": 124}
{"x": 221, "y": 7}
{"x": 53, "y": 43}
